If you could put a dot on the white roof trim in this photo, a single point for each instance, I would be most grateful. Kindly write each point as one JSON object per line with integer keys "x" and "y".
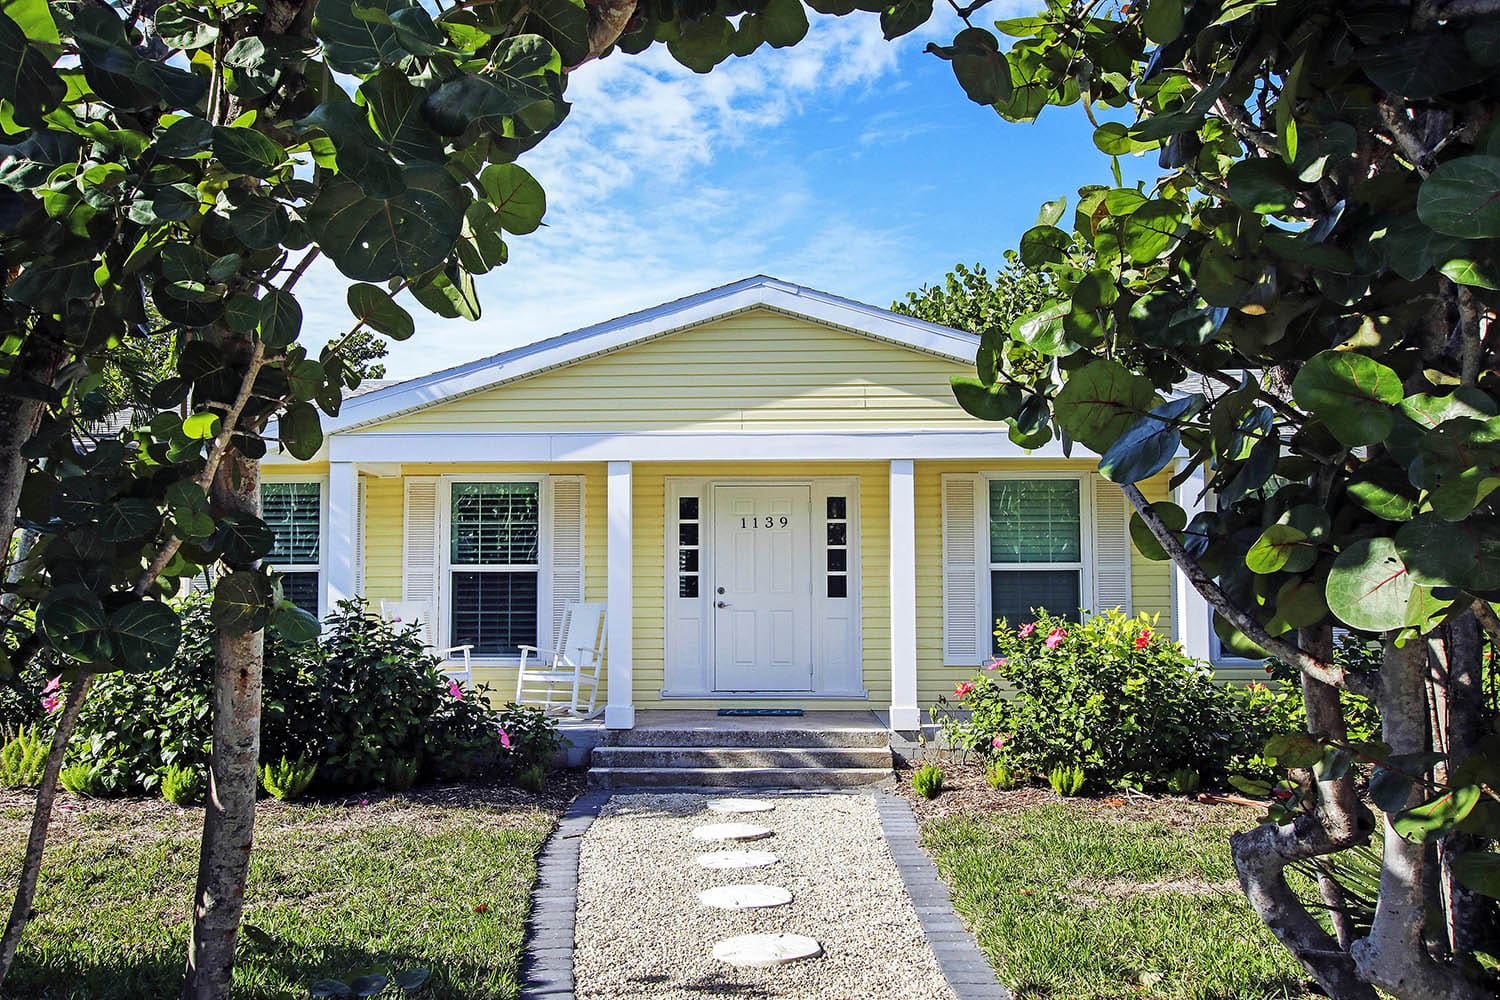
{"x": 750, "y": 293}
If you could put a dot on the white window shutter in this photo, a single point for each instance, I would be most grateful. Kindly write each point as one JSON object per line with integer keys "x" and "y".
{"x": 963, "y": 631}
{"x": 567, "y": 549}
{"x": 1111, "y": 547}
{"x": 419, "y": 562}
{"x": 357, "y": 532}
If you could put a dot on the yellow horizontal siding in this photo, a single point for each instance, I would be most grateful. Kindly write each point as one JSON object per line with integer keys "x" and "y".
{"x": 758, "y": 370}
{"x": 385, "y": 502}
{"x": 1150, "y": 581}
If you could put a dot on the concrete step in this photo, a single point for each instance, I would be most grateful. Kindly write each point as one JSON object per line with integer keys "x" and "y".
{"x": 736, "y": 777}
{"x": 742, "y": 757}
{"x": 852, "y": 737}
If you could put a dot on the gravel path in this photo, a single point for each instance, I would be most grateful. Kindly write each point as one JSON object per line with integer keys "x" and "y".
{"x": 641, "y": 932}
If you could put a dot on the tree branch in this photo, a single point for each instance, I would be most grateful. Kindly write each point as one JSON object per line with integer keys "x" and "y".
{"x": 1328, "y": 673}
{"x": 211, "y": 467}
{"x": 1406, "y": 138}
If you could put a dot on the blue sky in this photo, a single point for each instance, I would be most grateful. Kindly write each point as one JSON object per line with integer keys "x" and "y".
{"x": 848, "y": 163}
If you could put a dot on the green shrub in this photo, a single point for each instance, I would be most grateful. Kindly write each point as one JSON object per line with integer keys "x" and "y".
{"x": 533, "y": 778}
{"x": 182, "y": 785}
{"x": 999, "y": 774}
{"x": 1183, "y": 781}
{"x": 1275, "y": 707}
{"x": 86, "y": 780}
{"x": 367, "y": 705}
{"x": 286, "y": 779}
{"x": 1110, "y": 695}
{"x": 928, "y": 781}
{"x": 22, "y": 759}
{"x": 1067, "y": 780}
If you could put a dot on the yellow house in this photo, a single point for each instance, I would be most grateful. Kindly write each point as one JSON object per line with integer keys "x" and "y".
{"x": 771, "y": 488}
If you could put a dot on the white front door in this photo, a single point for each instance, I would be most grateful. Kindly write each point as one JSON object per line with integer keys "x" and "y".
{"x": 761, "y": 589}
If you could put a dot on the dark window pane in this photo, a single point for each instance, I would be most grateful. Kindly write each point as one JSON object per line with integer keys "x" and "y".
{"x": 495, "y": 524}
{"x": 838, "y": 533}
{"x": 687, "y": 508}
{"x": 838, "y": 560}
{"x": 687, "y": 560}
{"x": 1013, "y": 593}
{"x": 302, "y": 590}
{"x": 687, "y": 534}
{"x": 838, "y": 509}
{"x": 838, "y": 586}
{"x": 496, "y": 612}
{"x": 291, "y": 511}
{"x": 687, "y": 586}
{"x": 1035, "y": 521}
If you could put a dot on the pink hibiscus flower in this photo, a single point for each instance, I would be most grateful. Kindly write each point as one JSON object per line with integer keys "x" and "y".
{"x": 455, "y": 690}
{"x": 998, "y": 742}
{"x": 1143, "y": 640}
{"x": 504, "y": 737}
{"x": 1054, "y": 638}
{"x": 996, "y": 663}
{"x": 963, "y": 690}
{"x": 1026, "y": 630}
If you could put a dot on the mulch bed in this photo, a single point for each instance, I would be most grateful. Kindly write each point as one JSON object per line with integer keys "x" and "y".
{"x": 965, "y": 791}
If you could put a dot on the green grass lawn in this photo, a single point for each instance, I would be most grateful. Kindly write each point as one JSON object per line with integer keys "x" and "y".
{"x": 336, "y": 887}
{"x": 1085, "y": 901}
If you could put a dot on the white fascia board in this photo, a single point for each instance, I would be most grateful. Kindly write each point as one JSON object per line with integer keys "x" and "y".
{"x": 444, "y": 447}
{"x": 613, "y": 334}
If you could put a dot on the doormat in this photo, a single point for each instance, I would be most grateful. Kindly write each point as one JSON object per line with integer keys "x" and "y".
{"x": 760, "y": 711}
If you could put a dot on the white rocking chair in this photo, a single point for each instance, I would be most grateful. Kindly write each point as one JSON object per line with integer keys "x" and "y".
{"x": 573, "y": 666}
{"x": 418, "y": 615}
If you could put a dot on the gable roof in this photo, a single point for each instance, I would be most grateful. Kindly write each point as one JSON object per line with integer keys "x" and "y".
{"x": 758, "y": 292}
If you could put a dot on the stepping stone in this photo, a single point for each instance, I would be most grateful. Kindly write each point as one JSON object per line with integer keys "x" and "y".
{"x": 732, "y": 806}
{"x": 749, "y": 951}
{"x": 737, "y": 859}
{"x": 731, "y": 831}
{"x": 744, "y": 897}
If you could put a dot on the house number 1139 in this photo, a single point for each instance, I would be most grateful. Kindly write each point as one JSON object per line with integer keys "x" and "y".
{"x": 770, "y": 522}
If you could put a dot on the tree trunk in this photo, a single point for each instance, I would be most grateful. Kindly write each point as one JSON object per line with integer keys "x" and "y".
{"x": 41, "y": 819}
{"x": 21, "y": 409}
{"x": 1339, "y": 821}
{"x": 1471, "y": 918}
{"x": 1394, "y": 956}
{"x": 229, "y": 819}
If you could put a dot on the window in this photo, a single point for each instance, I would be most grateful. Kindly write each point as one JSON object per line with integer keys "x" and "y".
{"x": 838, "y": 546}
{"x": 293, "y": 511}
{"x": 495, "y": 563}
{"x": 688, "y": 546}
{"x": 1036, "y": 548}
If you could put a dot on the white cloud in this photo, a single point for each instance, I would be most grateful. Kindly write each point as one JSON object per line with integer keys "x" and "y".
{"x": 663, "y": 182}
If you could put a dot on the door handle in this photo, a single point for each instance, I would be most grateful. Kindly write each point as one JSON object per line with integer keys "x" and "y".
{"x": 721, "y": 604}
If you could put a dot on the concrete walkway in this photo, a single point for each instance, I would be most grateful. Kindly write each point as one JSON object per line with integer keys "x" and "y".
{"x": 641, "y": 897}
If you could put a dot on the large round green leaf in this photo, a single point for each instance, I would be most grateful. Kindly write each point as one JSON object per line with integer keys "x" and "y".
{"x": 1149, "y": 444}
{"x": 980, "y": 66}
{"x": 1044, "y": 244}
{"x": 301, "y": 431}
{"x": 1151, "y": 230}
{"x": 127, "y": 519}
{"x": 245, "y": 150}
{"x": 1437, "y": 553}
{"x": 903, "y": 16}
{"x": 242, "y": 601}
{"x": 512, "y": 80}
{"x": 145, "y": 634}
{"x": 1000, "y": 401}
{"x": 1100, "y": 401}
{"x": 280, "y": 319}
{"x": 516, "y": 195}
{"x": 373, "y": 239}
{"x": 703, "y": 43}
{"x": 1462, "y": 198}
{"x": 27, "y": 79}
{"x": 1300, "y": 603}
{"x": 73, "y": 622}
{"x": 1352, "y": 394}
{"x": 1369, "y": 586}
{"x": 783, "y": 22}
{"x": 374, "y": 307}
{"x": 1281, "y": 547}
{"x": 1173, "y": 516}
{"x": 1043, "y": 331}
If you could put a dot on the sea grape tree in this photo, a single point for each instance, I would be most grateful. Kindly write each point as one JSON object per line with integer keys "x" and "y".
{"x": 1302, "y": 310}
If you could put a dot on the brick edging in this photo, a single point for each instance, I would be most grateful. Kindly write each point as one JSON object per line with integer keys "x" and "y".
{"x": 962, "y": 963}
{"x": 547, "y": 962}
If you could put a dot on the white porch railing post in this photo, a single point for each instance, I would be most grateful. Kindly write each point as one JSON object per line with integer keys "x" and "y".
{"x": 619, "y": 709}
{"x": 1194, "y": 623}
{"x": 338, "y": 576}
{"x": 906, "y": 716}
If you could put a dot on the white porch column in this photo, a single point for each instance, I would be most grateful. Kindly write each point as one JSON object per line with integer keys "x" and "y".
{"x": 619, "y": 710}
{"x": 1194, "y": 619}
{"x": 339, "y": 559}
{"x": 906, "y": 716}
